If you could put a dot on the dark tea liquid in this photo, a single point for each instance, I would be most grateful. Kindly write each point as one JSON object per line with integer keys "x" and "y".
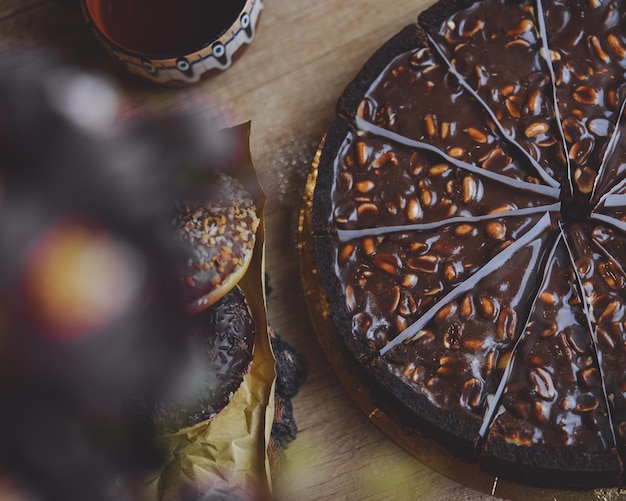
{"x": 164, "y": 27}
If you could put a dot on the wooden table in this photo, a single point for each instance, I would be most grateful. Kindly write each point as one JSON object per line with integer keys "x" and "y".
{"x": 286, "y": 84}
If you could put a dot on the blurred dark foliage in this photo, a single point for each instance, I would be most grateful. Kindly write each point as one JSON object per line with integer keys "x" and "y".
{"x": 75, "y": 181}
{"x": 70, "y": 4}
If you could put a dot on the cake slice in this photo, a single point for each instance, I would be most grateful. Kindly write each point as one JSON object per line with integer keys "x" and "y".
{"x": 418, "y": 97}
{"x": 552, "y": 426}
{"x": 448, "y": 365}
{"x": 378, "y": 182}
{"x": 602, "y": 280}
{"x": 385, "y": 282}
{"x": 588, "y": 51}
{"x": 480, "y": 46}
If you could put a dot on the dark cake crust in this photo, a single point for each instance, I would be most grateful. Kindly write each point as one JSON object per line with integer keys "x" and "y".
{"x": 322, "y": 204}
{"x": 441, "y": 11}
{"x": 409, "y": 37}
{"x": 552, "y": 467}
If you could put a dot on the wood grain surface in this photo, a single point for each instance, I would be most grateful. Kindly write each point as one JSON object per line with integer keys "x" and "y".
{"x": 286, "y": 83}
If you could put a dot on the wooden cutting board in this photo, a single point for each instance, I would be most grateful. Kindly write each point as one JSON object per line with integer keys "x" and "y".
{"x": 286, "y": 83}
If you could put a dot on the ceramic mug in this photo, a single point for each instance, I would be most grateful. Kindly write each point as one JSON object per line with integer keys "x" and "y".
{"x": 169, "y": 41}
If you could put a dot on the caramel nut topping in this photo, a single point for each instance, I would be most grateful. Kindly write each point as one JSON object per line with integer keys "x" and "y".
{"x": 364, "y": 186}
{"x": 362, "y": 153}
{"x": 431, "y": 126}
{"x": 477, "y": 135}
{"x": 472, "y": 391}
{"x": 387, "y": 263}
{"x": 597, "y": 48}
{"x": 616, "y": 46}
{"x": 585, "y": 95}
{"x": 542, "y": 382}
{"x": 470, "y": 189}
{"x": 536, "y": 128}
{"x": 496, "y": 230}
{"x": 350, "y": 299}
{"x": 345, "y": 253}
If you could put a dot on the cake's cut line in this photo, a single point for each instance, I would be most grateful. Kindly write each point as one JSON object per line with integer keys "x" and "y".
{"x": 493, "y": 264}
{"x": 610, "y": 150}
{"x": 579, "y": 280}
{"x": 552, "y": 191}
{"x": 608, "y": 254}
{"x": 545, "y": 54}
{"x": 493, "y": 407}
{"x": 540, "y": 170}
{"x": 610, "y": 195}
{"x": 613, "y": 200}
{"x": 611, "y": 221}
{"x": 346, "y": 235}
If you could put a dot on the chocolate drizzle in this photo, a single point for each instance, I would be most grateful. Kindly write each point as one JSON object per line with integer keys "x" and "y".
{"x": 500, "y": 121}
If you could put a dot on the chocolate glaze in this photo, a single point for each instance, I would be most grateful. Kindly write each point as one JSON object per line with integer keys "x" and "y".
{"x": 430, "y": 109}
{"x": 588, "y": 48}
{"x": 223, "y": 338}
{"x": 480, "y": 47}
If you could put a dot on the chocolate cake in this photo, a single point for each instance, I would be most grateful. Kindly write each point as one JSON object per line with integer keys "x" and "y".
{"x": 469, "y": 219}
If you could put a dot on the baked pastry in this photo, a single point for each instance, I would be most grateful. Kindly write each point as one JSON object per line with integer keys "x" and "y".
{"x": 222, "y": 339}
{"x": 470, "y": 231}
{"x": 219, "y": 234}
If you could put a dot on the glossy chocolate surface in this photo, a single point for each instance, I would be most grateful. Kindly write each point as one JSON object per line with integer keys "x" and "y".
{"x": 481, "y": 47}
{"x": 553, "y": 396}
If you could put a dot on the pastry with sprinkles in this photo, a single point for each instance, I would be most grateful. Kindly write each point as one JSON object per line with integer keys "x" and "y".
{"x": 222, "y": 340}
{"x": 220, "y": 234}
